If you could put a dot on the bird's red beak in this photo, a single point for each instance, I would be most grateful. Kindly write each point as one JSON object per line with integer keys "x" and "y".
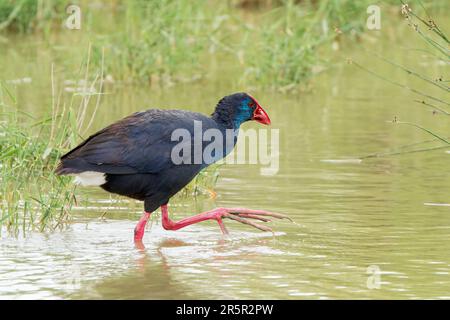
{"x": 260, "y": 115}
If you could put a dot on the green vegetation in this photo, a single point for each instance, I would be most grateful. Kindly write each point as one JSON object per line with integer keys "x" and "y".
{"x": 32, "y": 196}
{"x": 162, "y": 42}
{"x": 30, "y": 15}
{"x": 287, "y": 55}
{"x": 159, "y": 40}
{"x": 437, "y": 46}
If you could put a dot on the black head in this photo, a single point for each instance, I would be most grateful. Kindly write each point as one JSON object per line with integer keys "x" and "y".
{"x": 237, "y": 108}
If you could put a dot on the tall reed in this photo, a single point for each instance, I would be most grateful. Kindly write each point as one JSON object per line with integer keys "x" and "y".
{"x": 438, "y": 45}
{"x": 31, "y": 195}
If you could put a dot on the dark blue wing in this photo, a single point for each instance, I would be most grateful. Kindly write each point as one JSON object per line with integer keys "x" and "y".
{"x": 140, "y": 143}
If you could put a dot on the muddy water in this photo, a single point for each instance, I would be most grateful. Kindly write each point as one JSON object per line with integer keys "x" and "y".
{"x": 379, "y": 228}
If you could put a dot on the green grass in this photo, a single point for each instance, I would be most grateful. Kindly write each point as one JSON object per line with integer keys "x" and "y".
{"x": 276, "y": 44}
{"x": 27, "y": 16}
{"x": 165, "y": 41}
{"x": 159, "y": 41}
{"x": 31, "y": 196}
{"x": 287, "y": 54}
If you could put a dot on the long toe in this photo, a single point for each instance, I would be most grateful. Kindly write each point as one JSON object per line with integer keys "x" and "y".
{"x": 249, "y": 222}
{"x": 253, "y": 216}
{"x": 244, "y": 211}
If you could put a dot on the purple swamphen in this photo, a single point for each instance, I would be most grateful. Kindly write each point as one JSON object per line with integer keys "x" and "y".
{"x": 134, "y": 157}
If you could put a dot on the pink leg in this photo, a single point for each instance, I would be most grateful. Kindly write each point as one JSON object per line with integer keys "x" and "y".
{"x": 218, "y": 214}
{"x": 140, "y": 227}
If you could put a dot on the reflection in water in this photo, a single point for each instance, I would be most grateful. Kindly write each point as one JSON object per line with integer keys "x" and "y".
{"x": 97, "y": 260}
{"x": 174, "y": 257}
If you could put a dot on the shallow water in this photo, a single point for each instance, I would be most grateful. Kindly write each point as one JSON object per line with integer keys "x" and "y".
{"x": 388, "y": 214}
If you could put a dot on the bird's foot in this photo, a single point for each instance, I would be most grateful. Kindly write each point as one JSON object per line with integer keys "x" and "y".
{"x": 140, "y": 227}
{"x": 246, "y": 216}
{"x": 242, "y": 215}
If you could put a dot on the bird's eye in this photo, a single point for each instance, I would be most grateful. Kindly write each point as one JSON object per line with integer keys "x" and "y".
{"x": 251, "y": 104}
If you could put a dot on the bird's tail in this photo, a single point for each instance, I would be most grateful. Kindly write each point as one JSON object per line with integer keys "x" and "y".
{"x": 62, "y": 170}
